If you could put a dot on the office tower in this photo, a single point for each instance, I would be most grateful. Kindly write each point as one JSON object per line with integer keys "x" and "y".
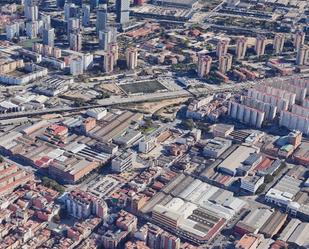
{"x": 76, "y": 40}
{"x": 302, "y": 55}
{"x": 93, "y": 4}
{"x": 279, "y": 43}
{"x": 299, "y": 39}
{"x": 108, "y": 62}
{"x": 60, "y": 4}
{"x": 32, "y": 29}
{"x": 113, "y": 31}
{"x": 85, "y": 15}
{"x": 204, "y": 65}
{"x": 70, "y": 11}
{"x": 48, "y": 37}
{"x": 105, "y": 37}
{"x": 260, "y": 45}
{"x": 12, "y": 30}
{"x": 46, "y": 21}
{"x": 222, "y": 47}
{"x": 31, "y": 12}
{"x": 122, "y": 11}
{"x": 76, "y": 66}
{"x": 131, "y": 58}
{"x": 101, "y": 19}
{"x": 225, "y": 63}
{"x": 73, "y": 24}
{"x": 241, "y": 48}
{"x": 113, "y": 47}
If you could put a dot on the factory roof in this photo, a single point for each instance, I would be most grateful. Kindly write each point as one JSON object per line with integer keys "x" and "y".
{"x": 301, "y": 235}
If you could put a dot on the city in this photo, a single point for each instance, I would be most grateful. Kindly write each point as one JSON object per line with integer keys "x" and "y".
{"x": 158, "y": 124}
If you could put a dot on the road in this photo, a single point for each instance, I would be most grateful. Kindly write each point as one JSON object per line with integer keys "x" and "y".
{"x": 117, "y": 100}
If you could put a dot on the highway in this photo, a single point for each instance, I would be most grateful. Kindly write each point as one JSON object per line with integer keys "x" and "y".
{"x": 118, "y": 100}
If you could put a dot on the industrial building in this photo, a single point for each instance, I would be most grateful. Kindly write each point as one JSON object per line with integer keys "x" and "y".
{"x": 235, "y": 160}
{"x": 251, "y": 183}
{"x": 216, "y": 146}
{"x": 273, "y": 224}
{"x": 253, "y": 222}
{"x": 123, "y": 161}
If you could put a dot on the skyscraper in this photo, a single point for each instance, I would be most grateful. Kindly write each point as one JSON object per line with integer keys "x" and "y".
{"x": 105, "y": 37}
{"x": 279, "y": 43}
{"x": 12, "y": 30}
{"x": 85, "y": 15}
{"x": 32, "y": 29}
{"x": 122, "y": 11}
{"x": 48, "y": 37}
{"x": 241, "y": 48}
{"x": 225, "y": 63}
{"x": 260, "y": 45}
{"x": 73, "y": 24}
{"x": 131, "y": 58}
{"x": 222, "y": 47}
{"x": 93, "y": 4}
{"x": 299, "y": 39}
{"x": 113, "y": 47}
{"x": 76, "y": 40}
{"x": 108, "y": 62}
{"x": 71, "y": 11}
{"x": 204, "y": 65}
{"x": 46, "y": 21}
{"x": 101, "y": 22}
{"x": 302, "y": 55}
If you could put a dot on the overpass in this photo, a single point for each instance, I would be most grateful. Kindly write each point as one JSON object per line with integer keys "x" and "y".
{"x": 117, "y": 100}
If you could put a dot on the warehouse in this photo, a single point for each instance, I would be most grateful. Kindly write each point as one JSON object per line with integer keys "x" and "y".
{"x": 300, "y": 236}
{"x": 253, "y": 222}
{"x": 236, "y": 159}
{"x": 273, "y": 224}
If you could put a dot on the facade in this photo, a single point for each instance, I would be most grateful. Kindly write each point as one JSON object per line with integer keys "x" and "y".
{"x": 302, "y": 55}
{"x": 76, "y": 66}
{"x": 122, "y": 11}
{"x": 241, "y": 48}
{"x": 299, "y": 39}
{"x": 147, "y": 144}
{"x": 251, "y": 183}
{"x": 105, "y": 37}
{"x": 260, "y": 45}
{"x": 81, "y": 205}
{"x": 85, "y": 15}
{"x": 123, "y": 161}
{"x": 225, "y": 63}
{"x": 48, "y": 37}
{"x": 204, "y": 65}
{"x": 131, "y": 58}
{"x": 101, "y": 22}
{"x": 76, "y": 41}
{"x": 32, "y": 29}
{"x": 108, "y": 62}
{"x": 279, "y": 43}
{"x": 222, "y": 47}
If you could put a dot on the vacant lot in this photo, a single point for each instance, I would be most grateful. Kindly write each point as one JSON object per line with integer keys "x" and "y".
{"x": 142, "y": 87}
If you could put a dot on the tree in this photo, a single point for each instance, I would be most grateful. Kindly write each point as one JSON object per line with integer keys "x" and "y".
{"x": 1, "y": 159}
{"x": 188, "y": 124}
{"x": 268, "y": 178}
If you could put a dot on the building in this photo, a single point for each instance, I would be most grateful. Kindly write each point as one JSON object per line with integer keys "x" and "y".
{"x": 122, "y": 11}
{"x": 123, "y": 161}
{"x": 222, "y": 47}
{"x": 11, "y": 177}
{"x": 81, "y": 205}
{"x": 183, "y": 4}
{"x": 260, "y": 45}
{"x": 222, "y": 130}
{"x": 273, "y": 225}
{"x": 105, "y": 38}
{"x": 241, "y": 48}
{"x": 48, "y": 37}
{"x": 225, "y": 63}
{"x": 279, "y": 43}
{"x": 235, "y": 160}
{"x": 114, "y": 48}
{"x": 204, "y": 65}
{"x": 147, "y": 144}
{"x": 249, "y": 241}
{"x": 76, "y": 66}
{"x": 299, "y": 39}
{"x": 31, "y": 11}
{"x": 72, "y": 25}
{"x": 85, "y": 15}
{"x": 253, "y": 222}
{"x": 131, "y": 58}
{"x": 215, "y": 147}
{"x": 12, "y": 30}
{"x": 76, "y": 41}
{"x": 251, "y": 183}
{"x": 32, "y": 29}
{"x": 302, "y": 57}
{"x": 101, "y": 22}
{"x": 97, "y": 113}
{"x": 108, "y": 62}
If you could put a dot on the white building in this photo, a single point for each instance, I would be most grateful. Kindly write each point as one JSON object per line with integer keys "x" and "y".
{"x": 251, "y": 183}
{"x": 147, "y": 144}
{"x": 97, "y": 113}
